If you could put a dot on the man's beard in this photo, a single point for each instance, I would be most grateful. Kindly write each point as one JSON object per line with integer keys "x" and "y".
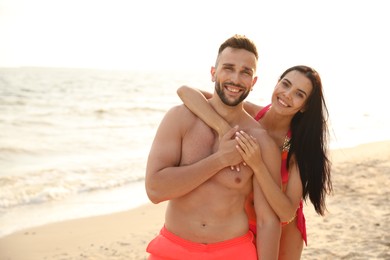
{"x": 219, "y": 89}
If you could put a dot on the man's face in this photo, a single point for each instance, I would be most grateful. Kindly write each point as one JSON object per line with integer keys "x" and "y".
{"x": 234, "y": 75}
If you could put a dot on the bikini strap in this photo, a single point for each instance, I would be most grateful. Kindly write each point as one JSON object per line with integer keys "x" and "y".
{"x": 262, "y": 112}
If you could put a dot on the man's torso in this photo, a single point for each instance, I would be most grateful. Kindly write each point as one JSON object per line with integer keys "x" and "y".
{"x": 214, "y": 211}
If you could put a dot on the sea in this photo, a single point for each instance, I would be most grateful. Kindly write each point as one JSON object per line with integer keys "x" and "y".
{"x": 74, "y": 142}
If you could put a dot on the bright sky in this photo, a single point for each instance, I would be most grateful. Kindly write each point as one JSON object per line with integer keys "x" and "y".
{"x": 345, "y": 40}
{"x": 177, "y": 33}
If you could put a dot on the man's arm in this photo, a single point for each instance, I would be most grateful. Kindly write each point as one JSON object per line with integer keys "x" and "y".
{"x": 165, "y": 177}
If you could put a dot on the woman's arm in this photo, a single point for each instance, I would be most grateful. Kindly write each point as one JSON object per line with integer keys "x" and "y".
{"x": 284, "y": 204}
{"x": 267, "y": 221}
{"x": 268, "y": 225}
{"x": 196, "y": 101}
{"x": 261, "y": 157}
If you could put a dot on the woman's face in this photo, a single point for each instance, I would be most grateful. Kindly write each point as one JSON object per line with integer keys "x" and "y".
{"x": 291, "y": 93}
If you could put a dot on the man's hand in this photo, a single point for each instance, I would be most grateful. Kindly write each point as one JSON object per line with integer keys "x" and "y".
{"x": 228, "y": 148}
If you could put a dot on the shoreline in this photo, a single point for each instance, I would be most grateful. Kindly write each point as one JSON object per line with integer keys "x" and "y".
{"x": 355, "y": 226}
{"x": 83, "y": 205}
{"x": 119, "y": 235}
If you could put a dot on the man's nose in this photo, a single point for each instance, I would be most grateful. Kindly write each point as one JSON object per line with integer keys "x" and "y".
{"x": 234, "y": 77}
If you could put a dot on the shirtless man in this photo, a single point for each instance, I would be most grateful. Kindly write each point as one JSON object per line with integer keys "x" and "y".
{"x": 191, "y": 168}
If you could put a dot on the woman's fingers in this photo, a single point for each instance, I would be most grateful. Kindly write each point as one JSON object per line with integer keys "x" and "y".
{"x": 246, "y": 141}
{"x": 248, "y": 137}
{"x": 242, "y": 142}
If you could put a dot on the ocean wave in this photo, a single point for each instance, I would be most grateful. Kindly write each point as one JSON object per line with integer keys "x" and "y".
{"x": 8, "y": 103}
{"x": 124, "y": 110}
{"x": 56, "y": 184}
{"x": 147, "y": 109}
{"x": 15, "y": 151}
{"x": 30, "y": 123}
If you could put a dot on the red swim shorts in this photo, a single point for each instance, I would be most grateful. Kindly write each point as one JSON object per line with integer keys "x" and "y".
{"x": 169, "y": 246}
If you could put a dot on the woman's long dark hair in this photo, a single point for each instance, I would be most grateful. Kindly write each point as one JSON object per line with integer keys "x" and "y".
{"x": 309, "y": 142}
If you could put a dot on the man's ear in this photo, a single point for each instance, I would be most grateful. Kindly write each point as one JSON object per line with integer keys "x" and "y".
{"x": 254, "y": 81}
{"x": 212, "y": 72}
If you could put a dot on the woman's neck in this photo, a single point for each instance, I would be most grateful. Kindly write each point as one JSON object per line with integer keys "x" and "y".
{"x": 276, "y": 125}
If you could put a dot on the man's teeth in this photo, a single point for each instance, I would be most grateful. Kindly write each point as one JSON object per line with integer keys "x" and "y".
{"x": 235, "y": 90}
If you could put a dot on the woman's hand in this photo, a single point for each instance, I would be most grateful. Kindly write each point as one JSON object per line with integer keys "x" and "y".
{"x": 249, "y": 149}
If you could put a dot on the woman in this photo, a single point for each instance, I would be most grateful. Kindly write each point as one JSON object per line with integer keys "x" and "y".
{"x": 296, "y": 120}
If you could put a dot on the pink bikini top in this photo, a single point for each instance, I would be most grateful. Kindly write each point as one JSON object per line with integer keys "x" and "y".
{"x": 285, "y": 148}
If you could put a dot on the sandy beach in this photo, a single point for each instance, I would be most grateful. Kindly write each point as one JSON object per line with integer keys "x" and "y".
{"x": 356, "y": 226}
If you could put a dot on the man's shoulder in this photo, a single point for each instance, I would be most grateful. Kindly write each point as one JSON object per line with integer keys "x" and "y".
{"x": 263, "y": 137}
{"x": 179, "y": 109}
{"x": 252, "y": 124}
{"x": 257, "y": 130}
{"x": 180, "y": 113}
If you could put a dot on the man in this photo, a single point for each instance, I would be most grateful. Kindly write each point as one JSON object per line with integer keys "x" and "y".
{"x": 190, "y": 167}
